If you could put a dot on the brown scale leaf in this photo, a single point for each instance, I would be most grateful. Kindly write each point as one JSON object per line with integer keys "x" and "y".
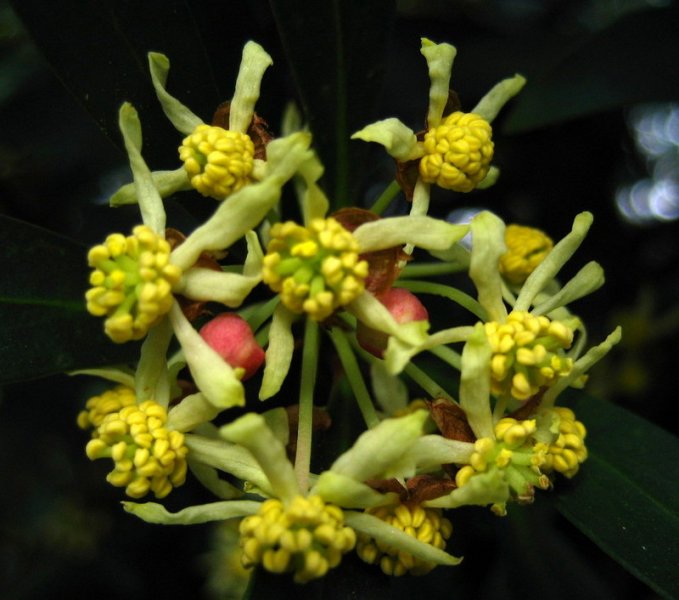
{"x": 257, "y": 130}
{"x": 451, "y": 420}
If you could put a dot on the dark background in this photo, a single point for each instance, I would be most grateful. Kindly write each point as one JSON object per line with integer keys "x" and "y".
{"x": 597, "y": 129}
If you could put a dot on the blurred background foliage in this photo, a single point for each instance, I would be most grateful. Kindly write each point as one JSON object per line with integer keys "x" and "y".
{"x": 597, "y": 128}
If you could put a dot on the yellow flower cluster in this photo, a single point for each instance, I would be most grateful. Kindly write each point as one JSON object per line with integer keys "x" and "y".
{"x": 458, "y": 152}
{"x": 568, "y": 451}
{"x": 110, "y": 401}
{"x": 131, "y": 283}
{"x": 218, "y": 161}
{"x": 425, "y": 524}
{"x": 526, "y": 249}
{"x": 528, "y": 354}
{"x": 515, "y": 452}
{"x": 306, "y": 537}
{"x": 146, "y": 455}
{"x": 315, "y": 269}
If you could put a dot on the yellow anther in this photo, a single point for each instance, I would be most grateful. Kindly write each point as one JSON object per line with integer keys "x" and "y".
{"x": 316, "y": 270}
{"x": 526, "y": 249}
{"x": 426, "y": 524}
{"x": 306, "y": 537}
{"x": 458, "y": 152}
{"x": 132, "y": 283}
{"x": 527, "y": 354}
{"x": 145, "y": 455}
{"x": 568, "y": 451}
{"x": 218, "y": 161}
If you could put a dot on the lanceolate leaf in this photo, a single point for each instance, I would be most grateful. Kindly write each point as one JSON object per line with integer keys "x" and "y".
{"x": 45, "y": 327}
{"x": 626, "y": 496}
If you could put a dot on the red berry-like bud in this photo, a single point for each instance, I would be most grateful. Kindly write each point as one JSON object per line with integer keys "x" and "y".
{"x": 231, "y": 337}
{"x": 404, "y": 306}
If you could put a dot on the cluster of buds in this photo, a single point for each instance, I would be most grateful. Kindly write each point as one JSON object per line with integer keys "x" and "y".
{"x": 315, "y": 269}
{"x": 527, "y": 247}
{"x": 567, "y": 452}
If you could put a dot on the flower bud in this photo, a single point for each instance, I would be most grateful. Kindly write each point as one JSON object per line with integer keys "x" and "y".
{"x": 231, "y": 337}
{"x": 404, "y": 306}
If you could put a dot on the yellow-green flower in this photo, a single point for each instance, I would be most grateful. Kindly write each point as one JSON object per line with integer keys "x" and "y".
{"x": 306, "y": 537}
{"x": 457, "y": 153}
{"x": 428, "y": 525}
{"x": 567, "y": 450}
{"x": 526, "y": 249}
{"x": 528, "y": 353}
{"x": 131, "y": 283}
{"x": 315, "y": 269}
{"x": 147, "y": 456}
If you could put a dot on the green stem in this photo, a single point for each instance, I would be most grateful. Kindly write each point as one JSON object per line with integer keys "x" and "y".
{"x": 448, "y": 355}
{"x": 457, "y": 296}
{"x": 257, "y": 314}
{"x": 426, "y": 383}
{"x": 306, "y": 404}
{"x": 430, "y": 270}
{"x": 353, "y": 373}
{"x": 386, "y": 197}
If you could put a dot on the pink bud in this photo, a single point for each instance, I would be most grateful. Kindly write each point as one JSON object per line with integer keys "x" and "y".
{"x": 404, "y": 306}
{"x": 231, "y": 337}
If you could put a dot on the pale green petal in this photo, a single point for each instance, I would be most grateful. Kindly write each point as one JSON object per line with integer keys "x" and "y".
{"x": 480, "y": 490}
{"x": 291, "y": 121}
{"x": 434, "y": 450}
{"x": 228, "y": 457}
{"x": 489, "y": 106}
{"x": 191, "y": 412}
{"x": 166, "y": 182}
{"x": 348, "y": 493}
{"x": 389, "y": 391}
{"x": 490, "y": 179}
{"x": 398, "y": 139}
{"x": 315, "y": 204}
{"x": 278, "y": 422}
{"x": 121, "y": 375}
{"x": 151, "y": 380}
{"x": 395, "y": 538}
{"x": 475, "y": 383}
{"x": 216, "y": 286}
{"x": 279, "y": 352}
{"x": 440, "y": 62}
{"x": 554, "y": 261}
{"x": 254, "y": 62}
{"x": 582, "y": 365}
{"x": 457, "y": 255}
{"x": 376, "y": 450}
{"x": 488, "y": 245}
{"x": 249, "y": 205}
{"x": 151, "y": 512}
{"x": 399, "y": 352}
{"x": 423, "y": 232}
{"x": 372, "y": 312}
{"x": 588, "y": 279}
{"x": 209, "y": 478}
{"x": 150, "y": 202}
{"x": 252, "y": 432}
{"x": 179, "y": 115}
{"x": 211, "y": 373}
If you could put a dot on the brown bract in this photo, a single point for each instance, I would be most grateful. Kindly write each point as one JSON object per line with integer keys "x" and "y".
{"x": 451, "y": 420}
{"x": 383, "y": 266}
{"x": 417, "y": 490}
{"x": 257, "y": 130}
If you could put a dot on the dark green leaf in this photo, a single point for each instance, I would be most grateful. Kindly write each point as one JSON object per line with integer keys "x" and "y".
{"x": 98, "y": 50}
{"x": 633, "y": 60}
{"x": 337, "y": 53}
{"x": 626, "y": 497}
{"x": 45, "y": 327}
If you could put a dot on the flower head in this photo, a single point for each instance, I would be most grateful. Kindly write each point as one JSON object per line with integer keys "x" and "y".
{"x": 457, "y": 153}
{"x": 427, "y": 525}
{"x": 306, "y": 537}
{"x": 567, "y": 451}
{"x": 218, "y": 161}
{"x": 526, "y": 249}
{"x": 316, "y": 269}
{"x": 527, "y": 354}
{"x": 131, "y": 283}
{"x": 146, "y": 455}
